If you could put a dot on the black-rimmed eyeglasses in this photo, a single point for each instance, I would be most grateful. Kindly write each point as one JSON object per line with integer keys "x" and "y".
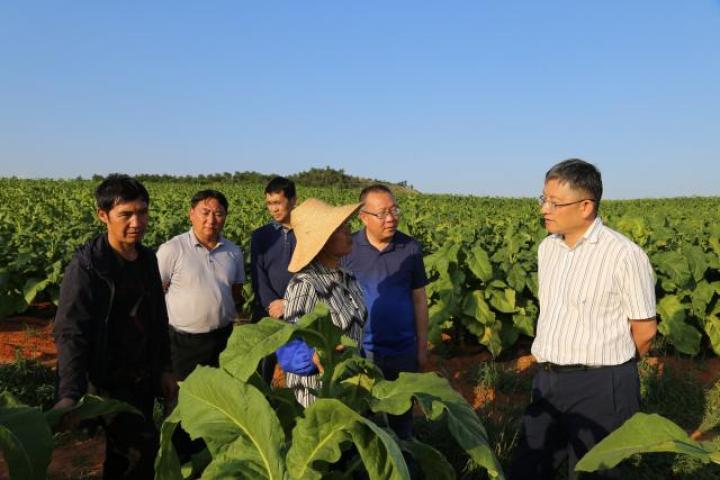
{"x": 395, "y": 212}
{"x": 553, "y": 205}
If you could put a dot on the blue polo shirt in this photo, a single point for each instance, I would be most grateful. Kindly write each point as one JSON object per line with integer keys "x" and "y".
{"x": 388, "y": 278}
{"x": 271, "y": 247}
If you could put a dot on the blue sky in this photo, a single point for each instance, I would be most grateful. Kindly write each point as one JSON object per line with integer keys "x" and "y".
{"x": 475, "y": 97}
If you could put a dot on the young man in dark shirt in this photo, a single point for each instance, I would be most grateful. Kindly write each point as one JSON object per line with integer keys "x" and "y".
{"x": 271, "y": 248}
{"x": 111, "y": 328}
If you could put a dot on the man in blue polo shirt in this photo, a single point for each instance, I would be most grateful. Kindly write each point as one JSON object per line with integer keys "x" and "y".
{"x": 271, "y": 247}
{"x": 389, "y": 266}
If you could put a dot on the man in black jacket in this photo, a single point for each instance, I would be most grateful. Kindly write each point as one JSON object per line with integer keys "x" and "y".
{"x": 111, "y": 328}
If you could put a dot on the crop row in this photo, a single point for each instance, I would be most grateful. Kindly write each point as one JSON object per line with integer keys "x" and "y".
{"x": 480, "y": 251}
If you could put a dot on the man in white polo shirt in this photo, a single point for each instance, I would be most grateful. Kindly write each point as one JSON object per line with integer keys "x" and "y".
{"x": 202, "y": 273}
{"x": 597, "y": 315}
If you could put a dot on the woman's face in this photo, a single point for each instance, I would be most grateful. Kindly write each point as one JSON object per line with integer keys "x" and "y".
{"x": 340, "y": 242}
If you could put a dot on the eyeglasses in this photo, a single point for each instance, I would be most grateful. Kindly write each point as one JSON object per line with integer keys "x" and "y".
{"x": 394, "y": 211}
{"x": 553, "y": 205}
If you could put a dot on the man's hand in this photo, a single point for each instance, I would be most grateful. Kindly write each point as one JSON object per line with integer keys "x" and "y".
{"x": 316, "y": 361}
{"x": 169, "y": 387}
{"x": 69, "y": 420}
{"x": 643, "y": 331}
{"x": 276, "y": 308}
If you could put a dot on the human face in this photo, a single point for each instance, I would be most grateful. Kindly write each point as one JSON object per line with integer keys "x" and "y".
{"x": 126, "y": 223}
{"x": 279, "y": 206}
{"x": 208, "y": 218}
{"x": 340, "y": 242}
{"x": 574, "y": 211}
{"x": 377, "y": 229}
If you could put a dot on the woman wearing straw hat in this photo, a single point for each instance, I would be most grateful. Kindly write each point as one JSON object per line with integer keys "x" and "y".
{"x": 323, "y": 238}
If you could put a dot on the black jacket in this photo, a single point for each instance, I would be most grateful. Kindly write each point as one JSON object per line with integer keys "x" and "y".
{"x": 81, "y": 323}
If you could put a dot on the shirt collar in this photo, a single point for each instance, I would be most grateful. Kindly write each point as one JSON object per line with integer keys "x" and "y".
{"x": 278, "y": 226}
{"x": 195, "y": 242}
{"x": 591, "y": 235}
{"x": 363, "y": 240}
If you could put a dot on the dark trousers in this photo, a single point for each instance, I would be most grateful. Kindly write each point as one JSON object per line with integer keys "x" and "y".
{"x": 188, "y": 351}
{"x": 192, "y": 349}
{"x": 131, "y": 441}
{"x": 391, "y": 367}
{"x": 569, "y": 413}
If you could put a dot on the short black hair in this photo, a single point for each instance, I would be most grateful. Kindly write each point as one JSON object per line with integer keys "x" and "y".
{"x": 374, "y": 188}
{"x": 209, "y": 193}
{"x": 579, "y": 175}
{"x": 119, "y": 188}
{"x": 281, "y": 184}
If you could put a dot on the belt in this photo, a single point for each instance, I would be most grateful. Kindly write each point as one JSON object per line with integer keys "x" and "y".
{"x": 217, "y": 331}
{"x": 555, "y": 368}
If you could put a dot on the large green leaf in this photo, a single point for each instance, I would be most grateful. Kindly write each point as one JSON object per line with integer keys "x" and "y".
{"x": 492, "y": 338}
{"x": 696, "y": 261}
{"x": 474, "y": 305}
{"x": 32, "y": 287}
{"x": 328, "y": 423}
{"x": 712, "y": 328}
{"x": 25, "y": 439}
{"x": 352, "y": 380}
{"x": 231, "y": 415}
{"x": 517, "y": 277}
{"x": 672, "y": 325}
{"x": 433, "y": 463}
{"x": 440, "y": 317}
{"x": 249, "y": 344}
{"x": 675, "y": 268}
{"x": 503, "y": 300}
{"x": 525, "y": 322}
{"x": 437, "y": 398}
{"x": 643, "y": 433}
{"x": 167, "y": 463}
{"x": 701, "y": 298}
{"x": 479, "y": 264}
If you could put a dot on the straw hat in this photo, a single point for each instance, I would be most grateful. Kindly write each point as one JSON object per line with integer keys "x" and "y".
{"x": 313, "y": 221}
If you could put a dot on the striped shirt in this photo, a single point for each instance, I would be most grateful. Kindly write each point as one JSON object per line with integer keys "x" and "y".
{"x": 588, "y": 294}
{"x": 336, "y": 288}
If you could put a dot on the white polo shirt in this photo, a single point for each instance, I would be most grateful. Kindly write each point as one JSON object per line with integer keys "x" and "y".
{"x": 588, "y": 294}
{"x": 199, "y": 298}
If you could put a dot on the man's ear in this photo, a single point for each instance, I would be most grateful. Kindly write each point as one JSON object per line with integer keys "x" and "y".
{"x": 588, "y": 210}
{"x": 103, "y": 216}
{"x": 292, "y": 202}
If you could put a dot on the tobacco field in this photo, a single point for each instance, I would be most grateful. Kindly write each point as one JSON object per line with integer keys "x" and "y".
{"x": 480, "y": 252}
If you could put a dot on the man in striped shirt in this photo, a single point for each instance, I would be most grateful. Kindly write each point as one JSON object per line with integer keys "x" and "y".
{"x": 597, "y": 315}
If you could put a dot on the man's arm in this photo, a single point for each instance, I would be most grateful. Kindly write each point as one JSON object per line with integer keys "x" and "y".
{"x": 166, "y": 264}
{"x": 237, "y": 293}
{"x": 643, "y": 331}
{"x": 419, "y": 299}
{"x": 72, "y": 333}
{"x": 264, "y": 295}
